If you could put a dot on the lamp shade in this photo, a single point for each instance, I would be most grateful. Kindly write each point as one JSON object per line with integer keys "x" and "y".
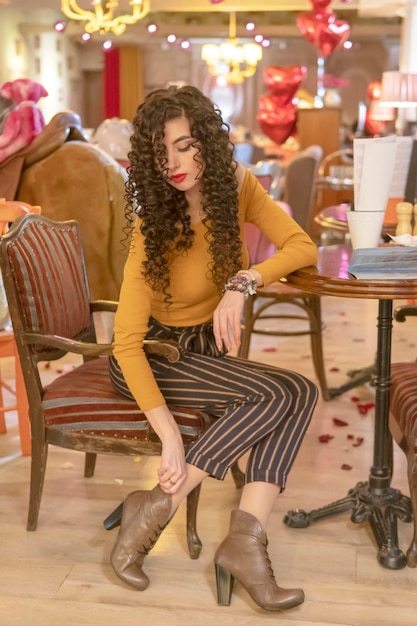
{"x": 399, "y": 89}
{"x": 380, "y": 112}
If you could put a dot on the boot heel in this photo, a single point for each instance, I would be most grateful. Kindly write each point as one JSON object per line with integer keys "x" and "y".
{"x": 224, "y": 584}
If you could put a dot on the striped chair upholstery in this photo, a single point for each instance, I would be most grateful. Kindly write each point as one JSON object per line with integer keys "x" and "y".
{"x": 47, "y": 290}
{"x": 403, "y": 426}
{"x": 96, "y": 410}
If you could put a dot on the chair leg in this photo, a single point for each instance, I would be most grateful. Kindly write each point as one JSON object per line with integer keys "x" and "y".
{"x": 37, "y": 477}
{"x": 412, "y": 481}
{"x": 3, "y": 428}
{"x": 238, "y": 475}
{"x": 247, "y": 325}
{"x": 22, "y": 408}
{"x": 89, "y": 464}
{"x": 193, "y": 540}
{"x": 316, "y": 339}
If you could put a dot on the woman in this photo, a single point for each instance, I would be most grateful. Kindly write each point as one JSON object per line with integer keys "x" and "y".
{"x": 187, "y": 277}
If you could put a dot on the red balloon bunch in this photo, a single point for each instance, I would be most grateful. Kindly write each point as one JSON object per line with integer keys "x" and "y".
{"x": 321, "y": 27}
{"x": 277, "y": 114}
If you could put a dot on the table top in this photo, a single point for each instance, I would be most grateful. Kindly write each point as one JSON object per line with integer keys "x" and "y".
{"x": 330, "y": 278}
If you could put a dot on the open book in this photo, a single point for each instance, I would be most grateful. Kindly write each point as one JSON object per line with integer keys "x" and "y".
{"x": 384, "y": 263}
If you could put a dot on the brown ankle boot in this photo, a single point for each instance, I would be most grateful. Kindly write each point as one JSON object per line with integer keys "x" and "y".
{"x": 145, "y": 515}
{"x": 243, "y": 555}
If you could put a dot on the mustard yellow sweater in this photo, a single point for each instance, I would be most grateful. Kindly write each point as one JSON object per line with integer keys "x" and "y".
{"x": 194, "y": 296}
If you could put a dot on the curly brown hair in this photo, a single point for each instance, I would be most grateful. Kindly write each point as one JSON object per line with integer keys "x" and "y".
{"x": 165, "y": 224}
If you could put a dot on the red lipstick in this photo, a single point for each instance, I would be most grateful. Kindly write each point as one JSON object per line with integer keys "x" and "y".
{"x": 178, "y": 178}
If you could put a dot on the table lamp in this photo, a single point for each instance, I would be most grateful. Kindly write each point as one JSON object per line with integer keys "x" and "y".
{"x": 399, "y": 90}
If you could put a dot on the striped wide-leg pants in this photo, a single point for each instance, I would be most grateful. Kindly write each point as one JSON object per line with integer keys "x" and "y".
{"x": 259, "y": 408}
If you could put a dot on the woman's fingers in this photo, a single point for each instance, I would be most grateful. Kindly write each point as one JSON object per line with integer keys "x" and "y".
{"x": 226, "y": 320}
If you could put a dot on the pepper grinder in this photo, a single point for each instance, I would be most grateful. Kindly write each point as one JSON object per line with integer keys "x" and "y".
{"x": 404, "y": 214}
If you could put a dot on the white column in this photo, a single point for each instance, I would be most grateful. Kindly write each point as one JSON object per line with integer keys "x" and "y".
{"x": 408, "y": 51}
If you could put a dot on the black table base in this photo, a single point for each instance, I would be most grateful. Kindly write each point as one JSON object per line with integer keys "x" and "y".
{"x": 357, "y": 378}
{"x": 374, "y": 501}
{"x": 380, "y": 507}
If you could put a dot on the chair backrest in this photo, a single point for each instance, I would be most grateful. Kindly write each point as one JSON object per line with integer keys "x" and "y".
{"x": 243, "y": 152}
{"x": 259, "y": 246}
{"x": 300, "y": 185}
{"x": 269, "y": 174}
{"x": 44, "y": 276}
{"x": 337, "y": 164}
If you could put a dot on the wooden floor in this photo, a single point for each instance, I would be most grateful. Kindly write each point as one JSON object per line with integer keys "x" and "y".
{"x": 60, "y": 574}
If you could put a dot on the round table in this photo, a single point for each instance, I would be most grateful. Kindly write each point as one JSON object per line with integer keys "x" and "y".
{"x": 374, "y": 500}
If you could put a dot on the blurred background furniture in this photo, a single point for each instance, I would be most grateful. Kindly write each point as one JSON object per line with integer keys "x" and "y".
{"x": 300, "y": 185}
{"x": 301, "y": 311}
{"x": 336, "y": 170}
{"x": 243, "y": 152}
{"x": 45, "y": 281}
{"x": 270, "y": 175}
{"x": 335, "y": 187}
{"x": 70, "y": 178}
{"x": 403, "y": 423}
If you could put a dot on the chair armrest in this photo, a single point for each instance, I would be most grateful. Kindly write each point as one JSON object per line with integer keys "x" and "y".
{"x": 164, "y": 347}
{"x": 402, "y": 312}
{"x": 103, "y": 305}
{"x": 68, "y": 345}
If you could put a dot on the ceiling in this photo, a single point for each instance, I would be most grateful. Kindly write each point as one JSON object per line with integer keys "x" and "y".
{"x": 203, "y": 19}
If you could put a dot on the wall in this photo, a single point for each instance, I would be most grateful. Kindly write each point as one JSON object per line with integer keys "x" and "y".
{"x": 64, "y": 66}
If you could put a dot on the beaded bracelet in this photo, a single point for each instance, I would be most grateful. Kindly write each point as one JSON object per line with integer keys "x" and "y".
{"x": 242, "y": 282}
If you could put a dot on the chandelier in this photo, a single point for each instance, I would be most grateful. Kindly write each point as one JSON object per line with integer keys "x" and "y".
{"x": 102, "y": 19}
{"x": 229, "y": 60}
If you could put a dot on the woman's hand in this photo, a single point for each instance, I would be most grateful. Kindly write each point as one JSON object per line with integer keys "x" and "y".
{"x": 226, "y": 320}
{"x": 173, "y": 470}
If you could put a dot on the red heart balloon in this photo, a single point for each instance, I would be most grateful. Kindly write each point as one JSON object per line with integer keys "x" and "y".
{"x": 319, "y": 5}
{"x": 283, "y": 82}
{"x": 332, "y": 36}
{"x": 278, "y": 125}
{"x": 310, "y": 24}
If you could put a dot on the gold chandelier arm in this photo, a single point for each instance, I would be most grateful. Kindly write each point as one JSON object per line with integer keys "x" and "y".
{"x": 105, "y": 21}
{"x": 140, "y": 9}
{"x": 232, "y": 25}
{"x": 72, "y": 10}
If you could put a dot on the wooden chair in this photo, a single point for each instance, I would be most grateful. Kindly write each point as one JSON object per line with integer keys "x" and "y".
{"x": 45, "y": 281}
{"x": 9, "y": 212}
{"x": 403, "y": 423}
{"x": 336, "y": 170}
{"x": 306, "y": 306}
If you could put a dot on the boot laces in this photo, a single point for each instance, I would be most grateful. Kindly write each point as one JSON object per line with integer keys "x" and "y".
{"x": 151, "y": 541}
{"x": 268, "y": 561}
